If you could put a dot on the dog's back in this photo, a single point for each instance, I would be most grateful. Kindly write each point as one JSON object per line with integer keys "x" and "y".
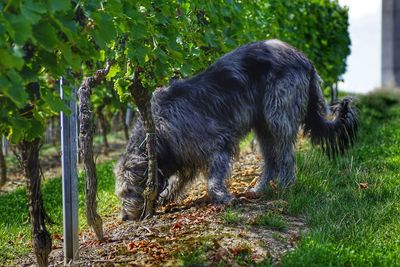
{"x": 216, "y": 108}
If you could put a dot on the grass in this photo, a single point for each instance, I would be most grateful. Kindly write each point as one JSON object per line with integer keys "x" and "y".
{"x": 14, "y": 218}
{"x": 231, "y": 216}
{"x": 246, "y": 141}
{"x": 197, "y": 257}
{"x": 272, "y": 220}
{"x": 14, "y": 222}
{"x": 350, "y": 225}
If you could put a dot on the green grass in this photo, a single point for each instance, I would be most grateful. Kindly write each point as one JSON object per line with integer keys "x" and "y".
{"x": 197, "y": 257}
{"x": 14, "y": 222}
{"x": 350, "y": 226}
{"x": 231, "y": 216}
{"x": 246, "y": 141}
{"x": 272, "y": 220}
{"x": 14, "y": 217}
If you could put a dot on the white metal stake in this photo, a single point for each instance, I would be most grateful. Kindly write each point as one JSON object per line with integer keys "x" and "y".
{"x": 5, "y": 145}
{"x": 69, "y": 179}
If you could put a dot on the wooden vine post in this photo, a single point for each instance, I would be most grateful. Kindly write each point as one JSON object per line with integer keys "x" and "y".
{"x": 86, "y": 129}
{"x": 41, "y": 240}
{"x": 142, "y": 99}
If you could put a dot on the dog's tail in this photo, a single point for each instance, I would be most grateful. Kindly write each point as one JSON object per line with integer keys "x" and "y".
{"x": 336, "y": 134}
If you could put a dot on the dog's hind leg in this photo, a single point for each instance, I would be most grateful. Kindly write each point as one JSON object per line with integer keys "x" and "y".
{"x": 286, "y": 163}
{"x": 279, "y": 161}
{"x": 218, "y": 172}
{"x": 284, "y": 105}
{"x": 266, "y": 147}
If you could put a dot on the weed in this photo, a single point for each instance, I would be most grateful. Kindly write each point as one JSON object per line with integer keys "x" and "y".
{"x": 272, "y": 220}
{"x": 231, "y": 216}
{"x": 278, "y": 237}
{"x": 196, "y": 257}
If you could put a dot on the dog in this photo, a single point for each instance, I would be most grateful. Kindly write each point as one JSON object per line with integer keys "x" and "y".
{"x": 268, "y": 87}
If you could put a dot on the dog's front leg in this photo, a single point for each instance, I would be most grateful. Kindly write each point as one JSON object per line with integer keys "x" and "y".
{"x": 217, "y": 174}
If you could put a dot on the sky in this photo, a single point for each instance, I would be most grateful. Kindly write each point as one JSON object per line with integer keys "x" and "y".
{"x": 364, "y": 63}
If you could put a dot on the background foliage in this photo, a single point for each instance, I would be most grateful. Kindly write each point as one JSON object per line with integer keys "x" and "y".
{"x": 43, "y": 40}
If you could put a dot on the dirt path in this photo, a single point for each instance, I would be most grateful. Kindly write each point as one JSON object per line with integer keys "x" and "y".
{"x": 193, "y": 233}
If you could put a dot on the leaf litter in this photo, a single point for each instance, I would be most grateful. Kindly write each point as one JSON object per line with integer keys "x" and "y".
{"x": 193, "y": 231}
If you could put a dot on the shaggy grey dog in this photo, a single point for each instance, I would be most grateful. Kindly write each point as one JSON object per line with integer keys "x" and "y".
{"x": 268, "y": 87}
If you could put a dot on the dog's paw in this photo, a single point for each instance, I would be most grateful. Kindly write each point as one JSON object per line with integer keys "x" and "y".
{"x": 248, "y": 195}
{"x": 256, "y": 190}
{"x": 222, "y": 198}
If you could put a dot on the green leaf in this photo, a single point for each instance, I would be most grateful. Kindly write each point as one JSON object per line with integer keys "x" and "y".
{"x": 9, "y": 61}
{"x": 73, "y": 60}
{"x": 105, "y": 31}
{"x": 60, "y": 5}
{"x": 12, "y": 88}
{"x": 49, "y": 61}
{"x": 32, "y": 10}
{"x": 140, "y": 54}
{"x": 22, "y": 28}
{"x": 55, "y": 103}
{"x": 66, "y": 52}
{"x": 114, "y": 69}
{"x": 186, "y": 69}
{"x": 18, "y": 125}
{"x": 46, "y": 35}
{"x": 36, "y": 129}
{"x": 121, "y": 85}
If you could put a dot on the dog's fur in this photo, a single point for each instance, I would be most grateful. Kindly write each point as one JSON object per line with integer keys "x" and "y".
{"x": 268, "y": 87}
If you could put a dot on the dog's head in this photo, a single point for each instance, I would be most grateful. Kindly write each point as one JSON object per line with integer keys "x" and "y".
{"x": 130, "y": 182}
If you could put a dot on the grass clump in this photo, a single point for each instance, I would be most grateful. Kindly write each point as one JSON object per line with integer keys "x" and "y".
{"x": 272, "y": 220}
{"x": 196, "y": 257}
{"x": 231, "y": 216}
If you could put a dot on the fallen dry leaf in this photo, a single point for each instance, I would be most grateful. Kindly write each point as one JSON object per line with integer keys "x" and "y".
{"x": 240, "y": 249}
{"x": 57, "y": 237}
{"x": 254, "y": 182}
{"x": 178, "y": 225}
{"x": 183, "y": 226}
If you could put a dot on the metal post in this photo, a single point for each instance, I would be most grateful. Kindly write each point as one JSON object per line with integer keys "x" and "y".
{"x": 69, "y": 179}
{"x": 4, "y": 145}
{"x": 48, "y": 132}
{"x": 128, "y": 116}
{"x": 390, "y": 43}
